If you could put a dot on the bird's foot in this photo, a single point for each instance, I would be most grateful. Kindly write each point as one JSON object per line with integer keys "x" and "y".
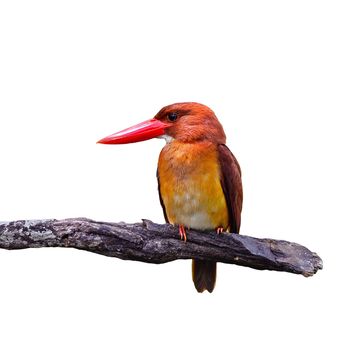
{"x": 182, "y": 232}
{"x": 219, "y": 230}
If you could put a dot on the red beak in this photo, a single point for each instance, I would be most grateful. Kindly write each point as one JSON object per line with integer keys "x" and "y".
{"x": 139, "y": 132}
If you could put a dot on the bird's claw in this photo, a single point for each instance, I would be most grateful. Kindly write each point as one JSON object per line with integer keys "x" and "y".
{"x": 219, "y": 230}
{"x": 182, "y": 232}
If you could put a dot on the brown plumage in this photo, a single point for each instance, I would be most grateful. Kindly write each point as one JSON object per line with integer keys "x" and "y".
{"x": 198, "y": 166}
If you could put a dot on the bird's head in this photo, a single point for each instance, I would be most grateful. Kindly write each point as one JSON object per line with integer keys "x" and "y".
{"x": 185, "y": 122}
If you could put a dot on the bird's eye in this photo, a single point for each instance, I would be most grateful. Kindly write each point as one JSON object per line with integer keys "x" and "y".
{"x": 172, "y": 116}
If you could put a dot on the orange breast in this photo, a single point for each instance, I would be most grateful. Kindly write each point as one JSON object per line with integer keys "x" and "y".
{"x": 189, "y": 178}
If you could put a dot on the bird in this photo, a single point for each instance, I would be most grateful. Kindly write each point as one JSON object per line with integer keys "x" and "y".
{"x": 199, "y": 179}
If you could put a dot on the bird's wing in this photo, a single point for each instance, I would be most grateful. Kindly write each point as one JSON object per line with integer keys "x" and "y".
{"x": 161, "y": 200}
{"x": 231, "y": 183}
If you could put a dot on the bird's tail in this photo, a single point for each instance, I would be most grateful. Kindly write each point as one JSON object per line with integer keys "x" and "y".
{"x": 204, "y": 275}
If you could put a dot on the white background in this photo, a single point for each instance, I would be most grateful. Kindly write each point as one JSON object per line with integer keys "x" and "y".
{"x": 277, "y": 75}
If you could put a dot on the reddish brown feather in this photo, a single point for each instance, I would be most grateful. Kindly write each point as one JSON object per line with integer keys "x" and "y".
{"x": 161, "y": 200}
{"x": 204, "y": 275}
{"x": 198, "y": 123}
{"x": 232, "y": 186}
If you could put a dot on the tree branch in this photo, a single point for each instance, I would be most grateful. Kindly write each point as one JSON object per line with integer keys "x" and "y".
{"x": 155, "y": 243}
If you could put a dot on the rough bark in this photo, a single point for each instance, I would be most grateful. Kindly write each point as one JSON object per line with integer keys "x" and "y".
{"x": 155, "y": 243}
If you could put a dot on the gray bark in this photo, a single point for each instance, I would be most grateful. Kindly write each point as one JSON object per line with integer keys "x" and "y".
{"x": 155, "y": 243}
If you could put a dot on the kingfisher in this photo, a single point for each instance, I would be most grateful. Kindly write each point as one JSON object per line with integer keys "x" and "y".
{"x": 199, "y": 179}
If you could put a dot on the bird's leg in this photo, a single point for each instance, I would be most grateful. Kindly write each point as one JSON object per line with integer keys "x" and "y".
{"x": 182, "y": 232}
{"x": 219, "y": 230}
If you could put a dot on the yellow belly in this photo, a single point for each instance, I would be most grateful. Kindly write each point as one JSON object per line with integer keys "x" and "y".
{"x": 190, "y": 188}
